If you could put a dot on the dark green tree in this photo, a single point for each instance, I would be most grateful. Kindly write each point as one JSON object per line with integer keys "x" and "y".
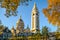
{"x": 45, "y": 32}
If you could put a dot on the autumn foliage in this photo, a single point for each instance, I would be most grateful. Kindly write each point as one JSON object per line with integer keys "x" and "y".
{"x": 52, "y": 12}
{"x": 11, "y": 6}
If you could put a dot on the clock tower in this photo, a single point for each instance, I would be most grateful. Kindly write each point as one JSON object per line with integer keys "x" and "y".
{"x": 35, "y": 19}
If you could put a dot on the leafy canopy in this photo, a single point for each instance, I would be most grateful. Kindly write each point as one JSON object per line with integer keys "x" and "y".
{"x": 52, "y": 12}
{"x": 11, "y": 6}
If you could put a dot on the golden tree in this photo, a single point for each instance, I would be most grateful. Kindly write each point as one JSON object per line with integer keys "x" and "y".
{"x": 11, "y": 6}
{"x": 52, "y": 12}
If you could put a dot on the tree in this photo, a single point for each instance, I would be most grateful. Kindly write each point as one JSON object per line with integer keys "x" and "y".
{"x": 45, "y": 32}
{"x": 38, "y": 36}
{"x": 12, "y": 5}
{"x": 1, "y": 29}
{"x": 52, "y": 12}
{"x": 1, "y": 26}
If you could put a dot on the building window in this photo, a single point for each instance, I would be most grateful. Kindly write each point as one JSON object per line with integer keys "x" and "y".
{"x": 33, "y": 14}
{"x": 36, "y": 14}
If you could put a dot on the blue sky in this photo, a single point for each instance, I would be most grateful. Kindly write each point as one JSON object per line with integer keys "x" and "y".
{"x": 25, "y": 12}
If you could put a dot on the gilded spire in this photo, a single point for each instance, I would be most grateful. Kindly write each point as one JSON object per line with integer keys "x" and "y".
{"x": 34, "y": 10}
{"x": 34, "y": 6}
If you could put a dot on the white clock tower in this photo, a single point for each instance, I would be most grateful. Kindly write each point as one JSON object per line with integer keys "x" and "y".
{"x": 35, "y": 19}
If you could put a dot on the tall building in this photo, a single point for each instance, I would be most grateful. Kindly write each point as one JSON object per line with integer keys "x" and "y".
{"x": 35, "y": 19}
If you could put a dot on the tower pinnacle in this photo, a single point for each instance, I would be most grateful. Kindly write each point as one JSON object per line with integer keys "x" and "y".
{"x": 20, "y": 16}
{"x": 35, "y": 10}
{"x": 34, "y": 6}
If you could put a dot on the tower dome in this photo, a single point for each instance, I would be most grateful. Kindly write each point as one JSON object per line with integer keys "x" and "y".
{"x": 20, "y": 25}
{"x": 20, "y": 22}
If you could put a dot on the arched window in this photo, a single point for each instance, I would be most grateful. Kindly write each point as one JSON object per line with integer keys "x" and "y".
{"x": 33, "y": 14}
{"x": 36, "y": 14}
